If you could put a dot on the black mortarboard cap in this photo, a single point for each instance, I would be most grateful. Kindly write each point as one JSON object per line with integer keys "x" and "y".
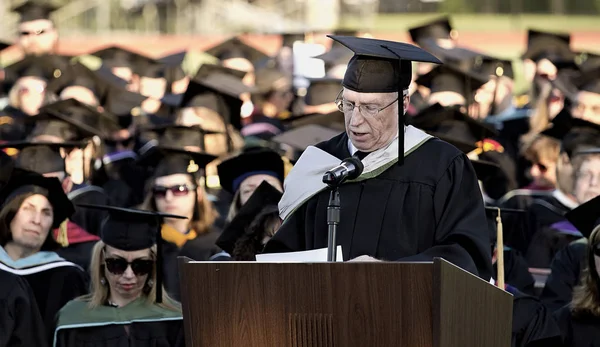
{"x": 235, "y": 48}
{"x": 132, "y": 230}
{"x": 115, "y": 56}
{"x": 296, "y": 140}
{"x": 380, "y": 66}
{"x": 436, "y": 29}
{"x": 173, "y": 59}
{"x": 175, "y": 160}
{"x": 180, "y": 136}
{"x": 322, "y": 91}
{"x": 34, "y": 66}
{"x": 589, "y": 80}
{"x": 271, "y": 78}
{"x": 449, "y": 78}
{"x": 586, "y": 217}
{"x": 234, "y": 170}
{"x": 40, "y": 157}
{"x": 86, "y": 119}
{"x": 517, "y": 217}
{"x": 150, "y": 68}
{"x": 564, "y": 123}
{"x": 494, "y": 66}
{"x": 22, "y": 181}
{"x": 338, "y": 55}
{"x": 34, "y": 10}
{"x": 552, "y": 46}
{"x": 461, "y": 57}
{"x": 264, "y": 195}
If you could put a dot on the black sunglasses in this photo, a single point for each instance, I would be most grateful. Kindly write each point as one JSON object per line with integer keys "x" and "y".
{"x": 177, "y": 190}
{"x": 140, "y": 267}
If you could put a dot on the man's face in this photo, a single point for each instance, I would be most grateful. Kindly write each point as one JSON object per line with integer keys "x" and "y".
{"x": 370, "y": 133}
{"x": 485, "y": 95}
{"x": 587, "y": 180}
{"x": 153, "y": 87}
{"x": 37, "y": 37}
{"x": 81, "y": 94}
{"x": 588, "y": 107}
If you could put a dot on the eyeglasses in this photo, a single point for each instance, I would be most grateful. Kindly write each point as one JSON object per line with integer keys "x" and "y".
{"x": 34, "y": 32}
{"x": 369, "y": 110}
{"x": 118, "y": 266}
{"x": 177, "y": 190}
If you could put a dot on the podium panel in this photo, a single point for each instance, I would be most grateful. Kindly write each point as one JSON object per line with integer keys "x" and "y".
{"x": 249, "y": 304}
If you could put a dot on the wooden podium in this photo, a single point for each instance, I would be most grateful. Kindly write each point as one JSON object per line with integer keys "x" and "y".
{"x": 428, "y": 304}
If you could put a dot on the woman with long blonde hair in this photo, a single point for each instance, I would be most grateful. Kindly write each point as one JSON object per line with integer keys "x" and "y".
{"x": 579, "y": 321}
{"x": 127, "y": 304}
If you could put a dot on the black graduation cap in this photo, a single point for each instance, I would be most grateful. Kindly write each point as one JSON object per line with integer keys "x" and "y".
{"x": 40, "y": 157}
{"x": 586, "y": 217}
{"x": 461, "y": 57}
{"x": 251, "y": 162}
{"x": 491, "y": 214}
{"x": 173, "y": 66}
{"x": 175, "y": 160}
{"x": 564, "y": 123}
{"x": 34, "y": 10}
{"x": 265, "y": 195}
{"x": 487, "y": 65}
{"x": 175, "y": 135}
{"x": 338, "y": 55}
{"x": 85, "y": 119}
{"x": 132, "y": 230}
{"x": 115, "y": 56}
{"x": 449, "y": 78}
{"x": 296, "y": 140}
{"x": 23, "y": 181}
{"x": 436, "y": 29}
{"x": 271, "y": 78}
{"x": 34, "y": 66}
{"x": 549, "y": 45}
{"x": 380, "y": 66}
{"x": 235, "y": 48}
{"x": 450, "y": 122}
{"x": 151, "y": 68}
{"x": 589, "y": 80}
{"x": 322, "y": 91}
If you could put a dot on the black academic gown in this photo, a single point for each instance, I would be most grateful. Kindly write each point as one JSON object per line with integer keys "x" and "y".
{"x": 20, "y": 320}
{"x": 429, "y": 207}
{"x": 516, "y": 271}
{"x": 138, "y": 325}
{"x": 544, "y": 246}
{"x": 545, "y": 211}
{"x": 578, "y": 331}
{"x": 200, "y": 248}
{"x": 53, "y": 285}
{"x": 533, "y": 325}
{"x": 566, "y": 272}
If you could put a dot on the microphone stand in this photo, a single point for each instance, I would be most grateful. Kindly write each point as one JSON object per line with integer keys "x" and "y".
{"x": 333, "y": 220}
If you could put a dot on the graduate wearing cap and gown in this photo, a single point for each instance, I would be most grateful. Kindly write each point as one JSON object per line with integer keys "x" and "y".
{"x": 120, "y": 61}
{"x": 424, "y": 204}
{"x": 128, "y": 305}
{"x": 38, "y": 35}
{"x": 46, "y": 159}
{"x": 580, "y": 319}
{"x": 20, "y": 320}
{"x": 254, "y": 224}
{"x": 193, "y": 238}
{"x": 53, "y": 280}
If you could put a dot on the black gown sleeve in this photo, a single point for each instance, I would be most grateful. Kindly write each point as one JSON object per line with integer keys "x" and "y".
{"x": 20, "y": 320}
{"x": 565, "y": 272}
{"x": 461, "y": 235}
{"x": 533, "y": 325}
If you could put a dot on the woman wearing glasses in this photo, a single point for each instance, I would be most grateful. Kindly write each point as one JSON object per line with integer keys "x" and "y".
{"x": 127, "y": 306}
{"x": 177, "y": 187}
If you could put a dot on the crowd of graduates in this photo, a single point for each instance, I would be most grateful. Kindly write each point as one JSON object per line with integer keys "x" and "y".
{"x": 110, "y": 173}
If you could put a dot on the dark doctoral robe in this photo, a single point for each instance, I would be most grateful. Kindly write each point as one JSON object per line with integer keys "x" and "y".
{"x": 53, "y": 280}
{"x": 578, "y": 331}
{"x": 20, "y": 320}
{"x": 429, "y": 207}
{"x": 545, "y": 211}
{"x": 533, "y": 325}
{"x": 138, "y": 324}
{"x": 197, "y": 247}
{"x": 516, "y": 271}
{"x": 566, "y": 272}
{"x": 549, "y": 241}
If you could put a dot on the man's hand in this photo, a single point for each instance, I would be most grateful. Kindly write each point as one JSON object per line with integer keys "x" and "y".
{"x": 364, "y": 259}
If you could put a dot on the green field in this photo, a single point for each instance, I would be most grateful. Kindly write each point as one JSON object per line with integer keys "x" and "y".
{"x": 481, "y": 22}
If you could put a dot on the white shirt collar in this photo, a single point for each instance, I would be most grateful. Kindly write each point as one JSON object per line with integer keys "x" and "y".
{"x": 353, "y": 149}
{"x": 564, "y": 199}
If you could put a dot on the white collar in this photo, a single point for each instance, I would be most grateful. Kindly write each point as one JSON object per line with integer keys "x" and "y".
{"x": 564, "y": 199}
{"x": 353, "y": 149}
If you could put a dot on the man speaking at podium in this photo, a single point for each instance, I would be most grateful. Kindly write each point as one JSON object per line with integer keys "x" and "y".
{"x": 423, "y": 205}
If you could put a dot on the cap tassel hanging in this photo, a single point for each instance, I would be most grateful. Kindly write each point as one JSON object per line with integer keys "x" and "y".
{"x": 400, "y": 112}
{"x": 499, "y": 251}
{"x": 63, "y": 237}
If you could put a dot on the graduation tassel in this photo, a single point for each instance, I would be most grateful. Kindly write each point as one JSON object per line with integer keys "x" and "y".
{"x": 62, "y": 238}
{"x": 499, "y": 251}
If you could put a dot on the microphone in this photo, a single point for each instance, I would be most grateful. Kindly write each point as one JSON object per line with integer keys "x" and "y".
{"x": 349, "y": 168}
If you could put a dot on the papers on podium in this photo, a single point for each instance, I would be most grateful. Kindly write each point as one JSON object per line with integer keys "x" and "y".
{"x": 312, "y": 256}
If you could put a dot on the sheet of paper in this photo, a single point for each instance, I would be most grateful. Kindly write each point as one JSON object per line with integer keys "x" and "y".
{"x": 312, "y": 256}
